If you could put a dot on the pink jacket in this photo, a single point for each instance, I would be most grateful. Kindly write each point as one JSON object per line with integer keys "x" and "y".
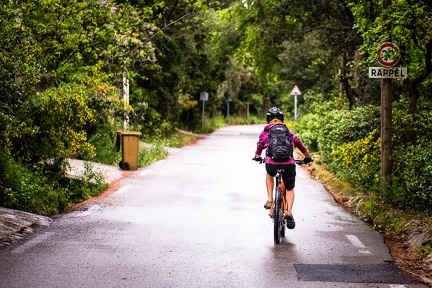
{"x": 263, "y": 143}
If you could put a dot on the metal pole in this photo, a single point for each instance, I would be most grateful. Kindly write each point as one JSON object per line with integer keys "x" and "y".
{"x": 228, "y": 108}
{"x": 295, "y": 107}
{"x": 202, "y": 121}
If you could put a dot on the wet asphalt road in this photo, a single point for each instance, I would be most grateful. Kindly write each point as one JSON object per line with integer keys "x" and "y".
{"x": 196, "y": 219}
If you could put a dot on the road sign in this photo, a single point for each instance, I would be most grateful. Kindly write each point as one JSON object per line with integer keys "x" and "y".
{"x": 204, "y": 96}
{"x": 393, "y": 72}
{"x": 388, "y": 54}
{"x": 295, "y": 91}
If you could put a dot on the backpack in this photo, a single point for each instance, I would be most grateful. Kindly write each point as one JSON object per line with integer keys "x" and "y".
{"x": 280, "y": 147}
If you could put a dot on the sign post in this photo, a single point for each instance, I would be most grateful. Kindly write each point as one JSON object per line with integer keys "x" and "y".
{"x": 203, "y": 97}
{"x": 125, "y": 101}
{"x": 295, "y": 92}
{"x": 228, "y": 101}
{"x": 388, "y": 57}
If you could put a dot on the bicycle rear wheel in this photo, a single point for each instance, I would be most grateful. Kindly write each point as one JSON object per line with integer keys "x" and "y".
{"x": 279, "y": 228}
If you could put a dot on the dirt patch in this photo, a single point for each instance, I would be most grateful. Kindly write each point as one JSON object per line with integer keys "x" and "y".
{"x": 407, "y": 259}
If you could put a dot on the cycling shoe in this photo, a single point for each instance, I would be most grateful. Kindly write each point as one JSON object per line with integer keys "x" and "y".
{"x": 290, "y": 223}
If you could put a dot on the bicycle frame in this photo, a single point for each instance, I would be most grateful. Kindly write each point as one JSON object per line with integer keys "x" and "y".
{"x": 279, "y": 183}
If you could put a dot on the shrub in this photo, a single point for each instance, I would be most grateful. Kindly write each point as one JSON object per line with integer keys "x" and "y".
{"x": 338, "y": 127}
{"x": 358, "y": 161}
{"x": 104, "y": 142}
{"x": 348, "y": 141}
{"x": 411, "y": 181}
{"x": 34, "y": 191}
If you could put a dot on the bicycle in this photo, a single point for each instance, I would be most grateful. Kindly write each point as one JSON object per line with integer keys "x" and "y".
{"x": 279, "y": 208}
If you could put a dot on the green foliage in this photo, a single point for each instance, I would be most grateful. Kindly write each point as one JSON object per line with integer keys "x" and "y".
{"x": 214, "y": 123}
{"x": 104, "y": 143}
{"x": 347, "y": 140}
{"x": 337, "y": 127}
{"x": 150, "y": 154}
{"x": 424, "y": 250}
{"x": 405, "y": 23}
{"x": 68, "y": 35}
{"x": 411, "y": 184}
{"x": 86, "y": 185}
{"x": 179, "y": 139}
{"x": 307, "y": 130}
{"x": 34, "y": 190}
{"x": 60, "y": 116}
{"x": 358, "y": 161}
{"x": 349, "y": 143}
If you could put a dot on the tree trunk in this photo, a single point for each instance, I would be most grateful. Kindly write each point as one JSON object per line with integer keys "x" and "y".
{"x": 412, "y": 85}
{"x": 345, "y": 80}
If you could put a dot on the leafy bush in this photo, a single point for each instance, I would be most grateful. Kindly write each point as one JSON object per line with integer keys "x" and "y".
{"x": 104, "y": 143}
{"x": 411, "y": 182}
{"x": 358, "y": 161}
{"x": 349, "y": 143}
{"x": 338, "y": 127}
{"x": 34, "y": 191}
{"x": 307, "y": 130}
{"x": 150, "y": 154}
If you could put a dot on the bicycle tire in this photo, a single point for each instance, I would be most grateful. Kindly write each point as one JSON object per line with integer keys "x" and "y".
{"x": 283, "y": 209}
{"x": 277, "y": 217}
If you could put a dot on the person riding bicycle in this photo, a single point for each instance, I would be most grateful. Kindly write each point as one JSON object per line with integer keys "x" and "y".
{"x": 275, "y": 117}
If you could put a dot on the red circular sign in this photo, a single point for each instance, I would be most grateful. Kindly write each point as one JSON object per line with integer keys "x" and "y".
{"x": 388, "y": 55}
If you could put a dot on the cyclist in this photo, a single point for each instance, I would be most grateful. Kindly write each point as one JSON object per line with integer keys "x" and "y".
{"x": 275, "y": 117}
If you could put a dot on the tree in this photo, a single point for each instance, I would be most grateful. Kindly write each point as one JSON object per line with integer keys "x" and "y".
{"x": 410, "y": 30}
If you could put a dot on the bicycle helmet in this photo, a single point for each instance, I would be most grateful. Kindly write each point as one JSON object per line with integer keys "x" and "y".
{"x": 274, "y": 113}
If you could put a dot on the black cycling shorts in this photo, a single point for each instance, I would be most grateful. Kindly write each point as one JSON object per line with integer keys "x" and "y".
{"x": 289, "y": 175}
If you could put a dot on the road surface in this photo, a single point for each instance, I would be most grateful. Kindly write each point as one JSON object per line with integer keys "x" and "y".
{"x": 196, "y": 219}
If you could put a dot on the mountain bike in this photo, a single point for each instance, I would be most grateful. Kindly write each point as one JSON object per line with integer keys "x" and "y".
{"x": 279, "y": 208}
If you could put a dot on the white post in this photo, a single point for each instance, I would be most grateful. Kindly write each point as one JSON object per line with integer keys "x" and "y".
{"x": 294, "y": 93}
{"x": 126, "y": 101}
{"x": 203, "y": 97}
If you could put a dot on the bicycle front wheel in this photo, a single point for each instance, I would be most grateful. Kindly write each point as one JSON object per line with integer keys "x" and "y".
{"x": 278, "y": 229}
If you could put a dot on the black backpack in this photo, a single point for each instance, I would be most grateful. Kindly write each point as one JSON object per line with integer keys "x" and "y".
{"x": 280, "y": 147}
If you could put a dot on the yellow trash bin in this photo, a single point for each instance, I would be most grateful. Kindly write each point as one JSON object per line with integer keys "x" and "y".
{"x": 130, "y": 145}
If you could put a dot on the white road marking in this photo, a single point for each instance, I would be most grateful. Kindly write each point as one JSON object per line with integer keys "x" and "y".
{"x": 28, "y": 245}
{"x": 397, "y": 286}
{"x": 358, "y": 244}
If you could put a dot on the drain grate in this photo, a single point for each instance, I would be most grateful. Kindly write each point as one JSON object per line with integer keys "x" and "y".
{"x": 382, "y": 273}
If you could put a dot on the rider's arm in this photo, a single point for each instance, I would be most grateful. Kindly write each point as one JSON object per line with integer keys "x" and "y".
{"x": 299, "y": 144}
{"x": 261, "y": 144}
{"x": 307, "y": 154}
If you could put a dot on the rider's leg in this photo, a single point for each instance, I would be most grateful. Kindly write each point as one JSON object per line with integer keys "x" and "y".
{"x": 270, "y": 186}
{"x": 288, "y": 216}
{"x": 290, "y": 199}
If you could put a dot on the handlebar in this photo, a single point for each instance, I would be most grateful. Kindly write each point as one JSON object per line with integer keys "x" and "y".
{"x": 261, "y": 160}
